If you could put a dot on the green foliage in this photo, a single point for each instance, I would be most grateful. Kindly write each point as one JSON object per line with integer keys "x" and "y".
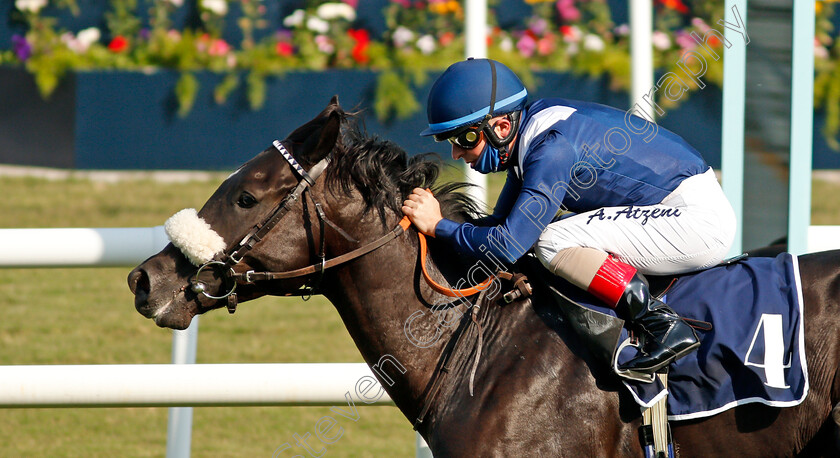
{"x": 122, "y": 20}
{"x": 223, "y": 90}
{"x": 420, "y": 38}
{"x": 394, "y": 97}
{"x": 185, "y": 90}
{"x": 256, "y": 89}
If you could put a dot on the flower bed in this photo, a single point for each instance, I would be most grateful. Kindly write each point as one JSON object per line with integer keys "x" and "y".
{"x": 226, "y": 55}
{"x": 239, "y": 37}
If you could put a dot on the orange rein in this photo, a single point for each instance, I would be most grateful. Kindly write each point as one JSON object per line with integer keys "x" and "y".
{"x": 405, "y": 223}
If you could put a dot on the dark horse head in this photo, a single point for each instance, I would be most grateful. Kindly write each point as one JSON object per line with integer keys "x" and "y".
{"x": 366, "y": 181}
{"x": 535, "y": 392}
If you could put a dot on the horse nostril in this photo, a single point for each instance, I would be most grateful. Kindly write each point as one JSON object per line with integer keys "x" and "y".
{"x": 138, "y": 281}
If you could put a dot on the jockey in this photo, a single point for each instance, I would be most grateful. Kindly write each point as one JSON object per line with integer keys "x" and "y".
{"x": 635, "y": 198}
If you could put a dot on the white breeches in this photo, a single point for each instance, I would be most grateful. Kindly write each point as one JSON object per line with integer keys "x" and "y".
{"x": 691, "y": 229}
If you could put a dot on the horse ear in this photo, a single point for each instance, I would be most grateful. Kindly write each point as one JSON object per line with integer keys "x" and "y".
{"x": 328, "y": 135}
{"x": 319, "y": 136}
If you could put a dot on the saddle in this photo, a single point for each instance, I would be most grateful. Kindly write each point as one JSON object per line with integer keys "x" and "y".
{"x": 599, "y": 331}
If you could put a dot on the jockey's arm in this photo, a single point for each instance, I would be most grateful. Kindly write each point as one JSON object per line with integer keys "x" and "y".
{"x": 533, "y": 208}
{"x": 504, "y": 203}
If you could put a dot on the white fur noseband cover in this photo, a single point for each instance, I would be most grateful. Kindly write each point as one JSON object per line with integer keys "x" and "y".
{"x": 193, "y": 236}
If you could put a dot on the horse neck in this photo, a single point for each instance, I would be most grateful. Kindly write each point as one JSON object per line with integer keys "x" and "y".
{"x": 376, "y": 295}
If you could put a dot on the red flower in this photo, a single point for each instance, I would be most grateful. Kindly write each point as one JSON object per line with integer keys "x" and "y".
{"x": 362, "y": 38}
{"x": 677, "y": 5}
{"x": 284, "y": 49}
{"x": 446, "y": 38}
{"x": 118, "y": 44}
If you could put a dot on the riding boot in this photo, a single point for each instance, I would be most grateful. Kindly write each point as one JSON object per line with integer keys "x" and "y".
{"x": 667, "y": 336}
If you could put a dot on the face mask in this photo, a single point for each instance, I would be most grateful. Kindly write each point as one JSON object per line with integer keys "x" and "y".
{"x": 488, "y": 161}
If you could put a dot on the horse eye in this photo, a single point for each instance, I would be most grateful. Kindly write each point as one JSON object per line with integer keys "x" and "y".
{"x": 246, "y": 200}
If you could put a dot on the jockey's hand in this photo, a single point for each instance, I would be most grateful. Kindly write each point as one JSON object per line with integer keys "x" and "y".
{"x": 423, "y": 210}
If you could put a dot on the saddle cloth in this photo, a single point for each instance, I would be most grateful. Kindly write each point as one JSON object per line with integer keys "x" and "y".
{"x": 755, "y": 351}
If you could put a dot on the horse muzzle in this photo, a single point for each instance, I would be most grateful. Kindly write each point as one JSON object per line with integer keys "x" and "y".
{"x": 172, "y": 310}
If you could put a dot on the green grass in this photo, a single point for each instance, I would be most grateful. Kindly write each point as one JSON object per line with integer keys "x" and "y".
{"x": 86, "y": 316}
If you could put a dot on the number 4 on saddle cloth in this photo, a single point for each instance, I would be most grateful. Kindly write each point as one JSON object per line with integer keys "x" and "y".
{"x": 754, "y": 351}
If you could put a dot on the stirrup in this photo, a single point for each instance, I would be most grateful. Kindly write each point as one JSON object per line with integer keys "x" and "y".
{"x": 643, "y": 377}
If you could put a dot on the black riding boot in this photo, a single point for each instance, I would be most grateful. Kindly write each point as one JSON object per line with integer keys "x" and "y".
{"x": 667, "y": 336}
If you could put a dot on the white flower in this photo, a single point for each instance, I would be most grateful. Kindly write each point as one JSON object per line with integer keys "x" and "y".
{"x": 32, "y": 6}
{"x": 330, "y": 11}
{"x": 426, "y": 44}
{"x": 217, "y": 7}
{"x": 317, "y": 24}
{"x": 81, "y": 42}
{"x": 506, "y": 44}
{"x": 177, "y": 3}
{"x": 402, "y": 35}
{"x": 820, "y": 52}
{"x": 295, "y": 19}
{"x": 88, "y": 36}
{"x": 572, "y": 49}
{"x": 660, "y": 40}
{"x": 592, "y": 42}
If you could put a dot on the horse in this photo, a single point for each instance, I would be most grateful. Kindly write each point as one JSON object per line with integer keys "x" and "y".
{"x": 510, "y": 380}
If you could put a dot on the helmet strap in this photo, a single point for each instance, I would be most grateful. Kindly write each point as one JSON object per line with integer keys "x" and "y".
{"x": 502, "y": 143}
{"x": 489, "y": 132}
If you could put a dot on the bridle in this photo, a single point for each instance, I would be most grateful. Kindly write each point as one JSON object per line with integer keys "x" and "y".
{"x": 227, "y": 260}
{"x": 235, "y": 254}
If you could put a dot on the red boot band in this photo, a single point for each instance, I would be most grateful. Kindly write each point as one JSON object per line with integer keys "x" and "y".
{"x": 611, "y": 280}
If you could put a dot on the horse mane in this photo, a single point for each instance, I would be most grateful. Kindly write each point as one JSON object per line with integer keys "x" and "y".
{"x": 385, "y": 175}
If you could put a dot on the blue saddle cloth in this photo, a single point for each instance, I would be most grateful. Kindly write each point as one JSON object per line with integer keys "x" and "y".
{"x": 755, "y": 351}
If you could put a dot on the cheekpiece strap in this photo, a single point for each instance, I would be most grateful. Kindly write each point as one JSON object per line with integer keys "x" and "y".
{"x": 291, "y": 160}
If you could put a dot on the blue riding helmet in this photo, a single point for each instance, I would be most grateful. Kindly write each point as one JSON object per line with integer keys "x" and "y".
{"x": 462, "y": 95}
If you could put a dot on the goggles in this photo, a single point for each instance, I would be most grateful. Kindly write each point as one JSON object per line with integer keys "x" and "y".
{"x": 466, "y": 139}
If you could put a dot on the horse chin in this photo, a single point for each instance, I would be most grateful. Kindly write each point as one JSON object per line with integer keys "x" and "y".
{"x": 175, "y": 316}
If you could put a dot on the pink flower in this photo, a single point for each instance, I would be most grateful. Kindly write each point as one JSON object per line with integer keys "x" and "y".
{"x": 526, "y": 45}
{"x": 325, "y": 45}
{"x": 684, "y": 40}
{"x": 700, "y": 24}
{"x": 820, "y": 52}
{"x": 539, "y": 26}
{"x": 567, "y": 11}
{"x": 622, "y": 30}
{"x": 218, "y": 47}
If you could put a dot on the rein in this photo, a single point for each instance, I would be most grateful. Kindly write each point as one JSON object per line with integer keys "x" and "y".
{"x": 234, "y": 255}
